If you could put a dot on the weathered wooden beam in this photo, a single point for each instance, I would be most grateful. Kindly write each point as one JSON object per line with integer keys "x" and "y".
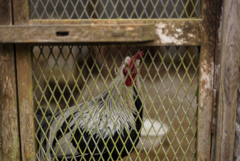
{"x": 9, "y": 129}
{"x": 5, "y": 12}
{"x": 157, "y": 32}
{"x": 229, "y": 74}
{"x": 76, "y": 33}
{"x": 217, "y": 54}
{"x": 112, "y": 21}
{"x": 236, "y": 154}
{"x": 25, "y": 99}
{"x": 218, "y": 5}
{"x": 20, "y": 12}
{"x": 24, "y": 82}
{"x": 209, "y": 20}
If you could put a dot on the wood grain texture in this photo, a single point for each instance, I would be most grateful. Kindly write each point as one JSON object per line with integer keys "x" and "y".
{"x": 229, "y": 74}
{"x": 9, "y": 129}
{"x": 24, "y": 80}
{"x": 217, "y": 54}
{"x": 9, "y": 135}
{"x": 20, "y": 12}
{"x": 216, "y": 77}
{"x": 25, "y": 98}
{"x": 236, "y": 154}
{"x": 113, "y": 21}
{"x": 77, "y": 33}
{"x": 209, "y": 19}
{"x": 163, "y": 32}
{"x": 5, "y": 12}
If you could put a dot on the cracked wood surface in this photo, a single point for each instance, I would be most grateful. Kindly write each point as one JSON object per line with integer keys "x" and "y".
{"x": 9, "y": 129}
{"x": 229, "y": 74}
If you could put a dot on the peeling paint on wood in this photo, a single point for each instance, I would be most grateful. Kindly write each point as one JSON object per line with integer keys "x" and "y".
{"x": 167, "y": 32}
{"x": 209, "y": 20}
{"x": 205, "y": 81}
{"x": 166, "y": 37}
{"x": 205, "y": 105}
{"x": 192, "y": 29}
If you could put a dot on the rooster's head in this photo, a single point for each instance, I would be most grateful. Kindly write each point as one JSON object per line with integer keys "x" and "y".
{"x": 130, "y": 68}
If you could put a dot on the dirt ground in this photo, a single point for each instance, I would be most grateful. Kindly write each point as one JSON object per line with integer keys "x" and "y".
{"x": 174, "y": 105}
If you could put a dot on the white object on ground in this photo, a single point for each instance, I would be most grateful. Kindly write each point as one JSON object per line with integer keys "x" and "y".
{"x": 152, "y": 133}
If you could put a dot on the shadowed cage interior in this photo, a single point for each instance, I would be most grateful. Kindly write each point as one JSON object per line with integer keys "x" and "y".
{"x": 109, "y": 9}
{"x": 64, "y": 76}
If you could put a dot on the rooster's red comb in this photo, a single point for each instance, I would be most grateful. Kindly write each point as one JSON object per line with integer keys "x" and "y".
{"x": 138, "y": 55}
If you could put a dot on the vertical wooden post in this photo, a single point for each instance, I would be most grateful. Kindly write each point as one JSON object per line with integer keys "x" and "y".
{"x": 9, "y": 135}
{"x": 24, "y": 81}
{"x": 229, "y": 73}
{"x": 25, "y": 99}
{"x": 236, "y": 155}
{"x": 9, "y": 129}
{"x": 209, "y": 21}
{"x": 5, "y": 12}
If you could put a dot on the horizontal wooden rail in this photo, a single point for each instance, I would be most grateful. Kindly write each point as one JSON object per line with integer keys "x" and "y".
{"x": 76, "y": 33}
{"x": 154, "y": 32}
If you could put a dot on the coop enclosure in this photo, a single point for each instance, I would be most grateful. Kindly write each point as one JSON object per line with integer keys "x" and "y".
{"x": 59, "y": 54}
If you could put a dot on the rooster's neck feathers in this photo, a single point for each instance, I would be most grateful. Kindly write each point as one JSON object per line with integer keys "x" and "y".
{"x": 111, "y": 111}
{"x": 107, "y": 113}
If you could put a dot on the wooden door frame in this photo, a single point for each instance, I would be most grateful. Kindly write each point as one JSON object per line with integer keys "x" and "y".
{"x": 202, "y": 32}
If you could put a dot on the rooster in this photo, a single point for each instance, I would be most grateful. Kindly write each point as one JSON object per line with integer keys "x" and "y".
{"x": 107, "y": 127}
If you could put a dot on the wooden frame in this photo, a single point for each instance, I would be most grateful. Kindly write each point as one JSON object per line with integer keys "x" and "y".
{"x": 167, "y": 32}
{"x": 24, "y": 84}
{"x": 207, "y": 61}
{"x": 76, "y": 33}
{"x": 228, "y": 80}
{"x": 9, "y": 123}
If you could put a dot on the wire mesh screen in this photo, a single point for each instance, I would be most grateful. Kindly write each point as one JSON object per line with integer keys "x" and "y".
{"x": 109, "y": 9}
{"x": 80, "y": 106}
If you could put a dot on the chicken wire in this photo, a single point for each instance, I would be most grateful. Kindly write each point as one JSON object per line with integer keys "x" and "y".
{"x": 68, "y": 75}
{"x": 114, "y": 9}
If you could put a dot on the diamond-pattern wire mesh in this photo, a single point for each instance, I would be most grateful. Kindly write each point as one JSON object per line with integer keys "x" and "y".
{"x": 117, "y": 9}
{"x": 68, "y": 75}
